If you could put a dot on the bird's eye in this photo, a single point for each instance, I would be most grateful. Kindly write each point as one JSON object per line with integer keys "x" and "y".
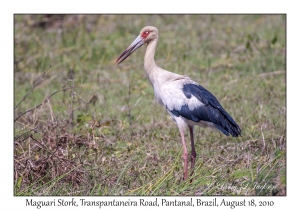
{"x": 145, "y": 34}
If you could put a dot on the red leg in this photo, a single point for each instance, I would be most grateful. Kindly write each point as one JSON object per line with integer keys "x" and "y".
{"x": 193, "y": 155}
{"x": 184, "y": 156}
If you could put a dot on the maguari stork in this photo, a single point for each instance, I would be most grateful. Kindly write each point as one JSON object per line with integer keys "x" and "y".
{"x": 187, "y": 102}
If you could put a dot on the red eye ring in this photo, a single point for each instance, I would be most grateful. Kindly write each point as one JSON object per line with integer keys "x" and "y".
{"x": 145, "y": 34}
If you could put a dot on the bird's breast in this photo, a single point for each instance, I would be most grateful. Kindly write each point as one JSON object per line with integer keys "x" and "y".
{"x": 158, "y": 95}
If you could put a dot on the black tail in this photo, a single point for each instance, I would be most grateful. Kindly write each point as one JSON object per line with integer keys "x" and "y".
{"x": 228, "y": 126}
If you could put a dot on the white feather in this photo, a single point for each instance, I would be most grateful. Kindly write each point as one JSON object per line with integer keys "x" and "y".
{"x": 171, "y": 95}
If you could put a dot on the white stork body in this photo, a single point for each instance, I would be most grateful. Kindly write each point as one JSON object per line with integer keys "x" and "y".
{"x": 187, "y": 102}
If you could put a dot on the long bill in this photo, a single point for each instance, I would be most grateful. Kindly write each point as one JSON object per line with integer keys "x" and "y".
{"x": 137, "y": 43}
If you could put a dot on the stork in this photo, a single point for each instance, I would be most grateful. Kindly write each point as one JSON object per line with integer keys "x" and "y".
{"x": 187, "y": 102}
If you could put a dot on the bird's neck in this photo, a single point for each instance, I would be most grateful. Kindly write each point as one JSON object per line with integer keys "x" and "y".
{"x": 150, "y": 66}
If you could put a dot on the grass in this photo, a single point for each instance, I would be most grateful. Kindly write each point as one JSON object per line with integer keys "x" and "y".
{"x": 103, "y": 133}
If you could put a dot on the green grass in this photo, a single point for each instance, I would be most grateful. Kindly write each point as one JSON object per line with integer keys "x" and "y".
{"x": 106, "y": 135}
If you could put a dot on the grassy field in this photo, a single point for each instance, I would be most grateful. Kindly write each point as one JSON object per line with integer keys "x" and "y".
{"x": 85, "y": 126}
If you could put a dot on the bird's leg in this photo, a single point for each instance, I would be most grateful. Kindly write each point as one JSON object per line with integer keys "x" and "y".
{"x": 193, "y": 155}
{"x": 184, "y": 156}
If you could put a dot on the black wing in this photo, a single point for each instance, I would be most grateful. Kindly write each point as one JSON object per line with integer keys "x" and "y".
{"x": 212, "y": 111}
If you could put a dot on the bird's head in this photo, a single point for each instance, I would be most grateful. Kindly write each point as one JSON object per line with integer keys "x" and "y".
{"x": 147, "y": 34}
